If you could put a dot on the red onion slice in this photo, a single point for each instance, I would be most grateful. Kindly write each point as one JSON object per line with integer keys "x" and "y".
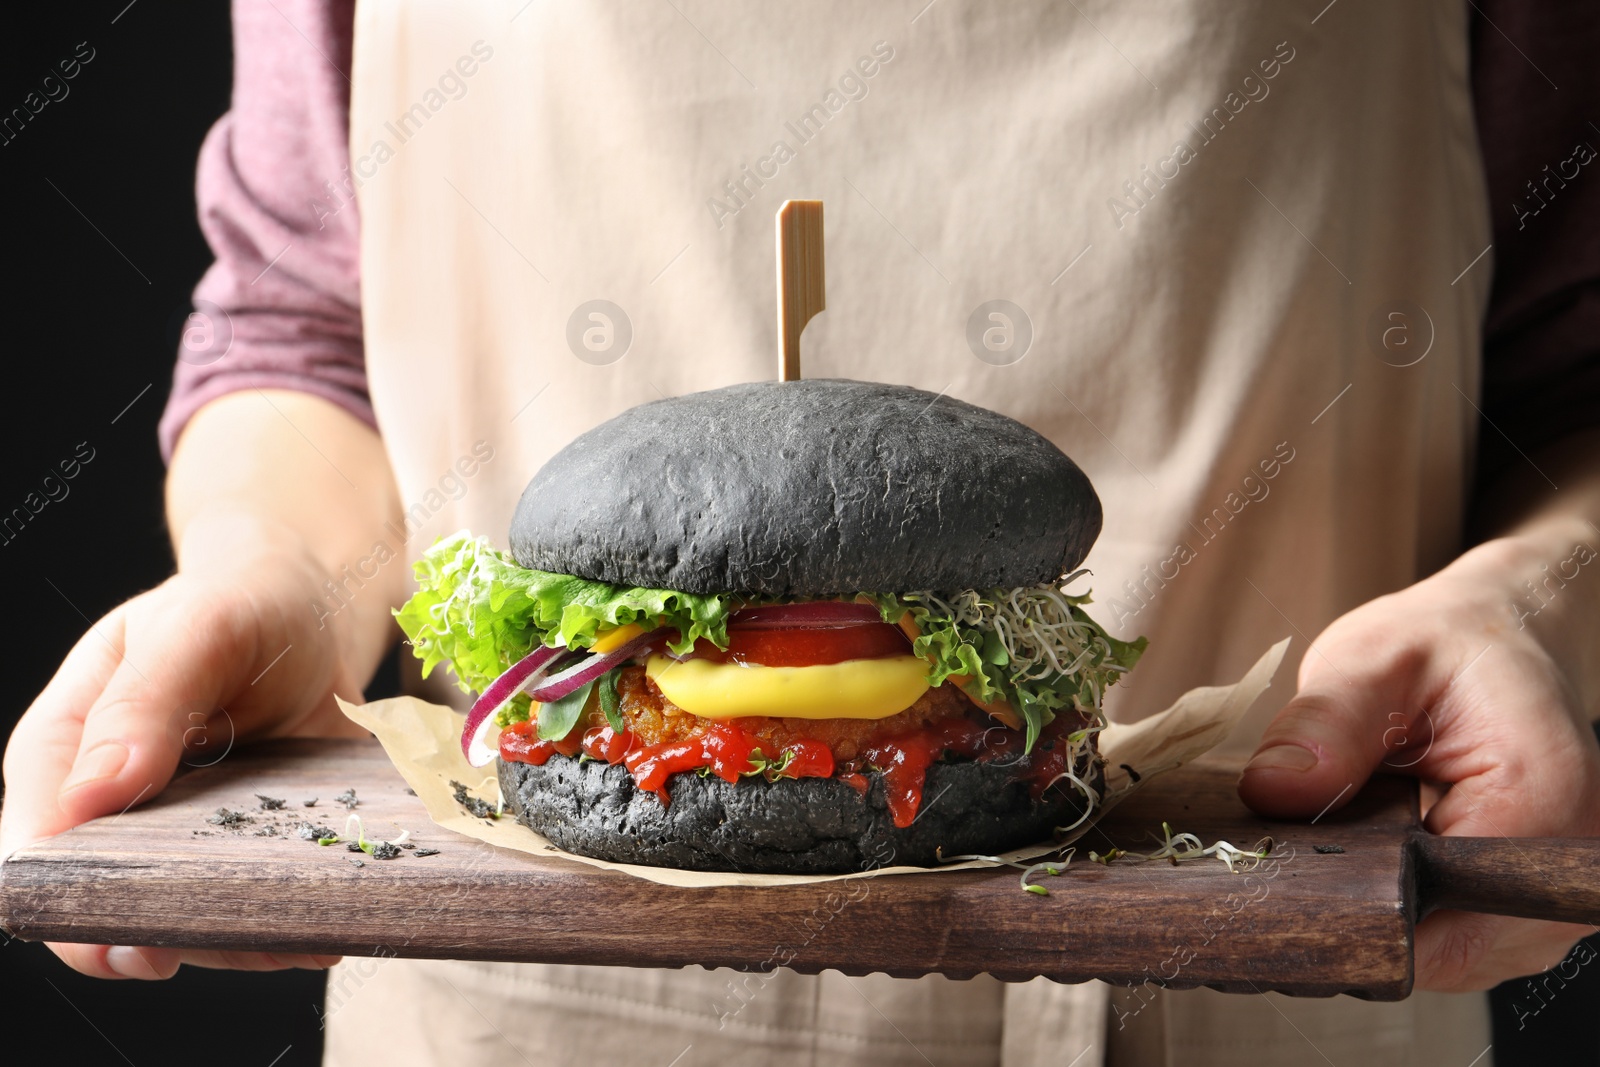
{"x": 480, "y": 719}
{"x": 811, "y": 615}
{"x": 587, "y": 670}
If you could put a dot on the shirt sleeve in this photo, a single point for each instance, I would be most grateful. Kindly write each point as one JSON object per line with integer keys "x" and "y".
{"x": 280, "y": 308}
{"x": 1535, "y": 79}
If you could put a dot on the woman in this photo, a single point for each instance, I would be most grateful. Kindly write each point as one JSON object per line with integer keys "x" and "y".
{"x": 1238, "y": 246}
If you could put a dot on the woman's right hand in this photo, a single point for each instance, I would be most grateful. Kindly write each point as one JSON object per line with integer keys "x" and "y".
{"x": 232, "y": 646}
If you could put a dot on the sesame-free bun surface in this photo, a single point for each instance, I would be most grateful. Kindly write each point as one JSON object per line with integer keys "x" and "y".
{"x": 810, "y": 488}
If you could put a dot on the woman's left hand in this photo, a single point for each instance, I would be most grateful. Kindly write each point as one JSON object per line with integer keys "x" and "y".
{"x": 1474, "y": 682}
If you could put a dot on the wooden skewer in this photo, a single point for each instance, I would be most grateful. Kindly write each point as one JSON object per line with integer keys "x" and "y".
{"x": 802, "y": 282}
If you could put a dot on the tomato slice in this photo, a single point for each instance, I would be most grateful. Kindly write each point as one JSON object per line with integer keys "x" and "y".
{"x": 808, "y": 647}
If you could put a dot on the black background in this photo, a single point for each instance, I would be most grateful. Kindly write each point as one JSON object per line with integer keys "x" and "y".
{"x": 85, "y": 332}
{"x": 101, "y": 252}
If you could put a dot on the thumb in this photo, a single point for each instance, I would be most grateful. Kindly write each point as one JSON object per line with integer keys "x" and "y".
{"x": 1327, "y": 741}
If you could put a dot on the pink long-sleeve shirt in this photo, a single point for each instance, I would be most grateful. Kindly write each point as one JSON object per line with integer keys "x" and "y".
{"x": 281, "y": 305}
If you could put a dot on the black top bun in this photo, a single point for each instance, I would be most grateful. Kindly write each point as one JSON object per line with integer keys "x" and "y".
{"x": 809, "y": 488}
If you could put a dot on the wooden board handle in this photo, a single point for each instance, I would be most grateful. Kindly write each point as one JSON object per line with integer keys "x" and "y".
{"x": 802, "y": 281}
{"x": 1528, "y": 877}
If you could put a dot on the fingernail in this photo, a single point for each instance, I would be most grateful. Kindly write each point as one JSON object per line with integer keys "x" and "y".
{"x": 1283, "y": 758}
{"x": 128, "y": 962}
{"x": 104, "y": 760}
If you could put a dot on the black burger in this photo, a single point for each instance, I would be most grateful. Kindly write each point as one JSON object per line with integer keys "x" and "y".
{"x": 784, "y": 627}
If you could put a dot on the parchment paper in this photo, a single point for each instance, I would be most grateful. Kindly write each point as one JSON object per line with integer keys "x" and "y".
{"x": 423, "y": 740}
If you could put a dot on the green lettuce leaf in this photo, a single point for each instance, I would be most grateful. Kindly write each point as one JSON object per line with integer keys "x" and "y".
{"x": 478, "y": 611}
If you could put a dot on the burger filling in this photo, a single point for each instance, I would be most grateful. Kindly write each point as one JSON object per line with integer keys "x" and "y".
{"x": 668, "y": 683}
{"x": 659, "y": 739}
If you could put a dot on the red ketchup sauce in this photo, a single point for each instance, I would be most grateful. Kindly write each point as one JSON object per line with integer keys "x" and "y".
{"x": 904, "y": 758}
{"x": 726, "y": 749}
{"x": 520, "y": 743}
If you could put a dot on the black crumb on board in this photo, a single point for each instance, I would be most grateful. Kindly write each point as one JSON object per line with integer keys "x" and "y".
{"x": 477, "y": 807}
{"x": 229, "y": 818}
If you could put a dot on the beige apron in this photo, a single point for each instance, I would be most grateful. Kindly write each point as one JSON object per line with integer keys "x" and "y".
{"x": 1219, "y": 254}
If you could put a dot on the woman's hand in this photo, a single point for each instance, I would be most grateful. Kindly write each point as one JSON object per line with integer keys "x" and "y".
{"x": 234, "y": 646}
{"x": 1470, "y": 681}
{"x": 173, "y": 674}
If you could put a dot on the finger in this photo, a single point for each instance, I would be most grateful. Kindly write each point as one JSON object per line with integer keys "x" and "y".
{"x": 133, "y": 734}
{"x": 1542, "y": 782}
{"x": 46, "y": 739}
{"x": 1357, "y": 695}
{"x": 153, "y": 964}
{"x": 1326, "y": 742}
{"x": 259, "y": 961}
{"x": 119, "y": 961}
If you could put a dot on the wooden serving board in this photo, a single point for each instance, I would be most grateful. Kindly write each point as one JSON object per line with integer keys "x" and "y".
{"x": 1305, "y": 922}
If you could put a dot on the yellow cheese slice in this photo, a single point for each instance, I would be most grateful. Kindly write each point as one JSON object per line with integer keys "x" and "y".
{"x": 615, "y": 639}
{"x": 854, "y": 689}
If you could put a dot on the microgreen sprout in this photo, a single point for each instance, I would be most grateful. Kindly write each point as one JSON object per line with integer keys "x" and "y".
{"x": 939, "y": 855}
{"x": 1036, "y": 627}
{"x": 383, "y": 850}
{"x": 1033, "y": 648}
{"x": 360, "y": 833}
{"x": 1050, "y": 867}
{"x": 1177, "y": 847}
{"x": 1090, "y": 795}
{"x": 1053, "y": 867}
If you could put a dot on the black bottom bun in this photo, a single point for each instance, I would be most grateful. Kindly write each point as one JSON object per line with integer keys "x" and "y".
{"x": 790, "y": 826}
